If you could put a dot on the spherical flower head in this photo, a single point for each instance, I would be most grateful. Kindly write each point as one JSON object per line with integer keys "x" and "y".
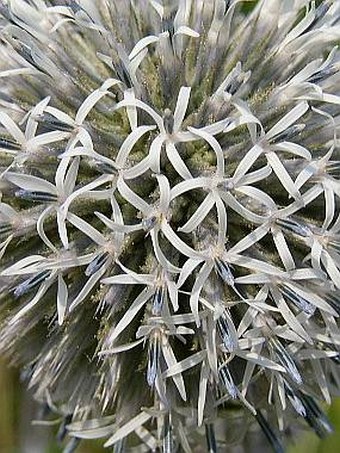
{"x": 169, "y": 216}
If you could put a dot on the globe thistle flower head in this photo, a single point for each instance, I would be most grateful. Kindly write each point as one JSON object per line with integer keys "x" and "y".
{"x": 169, "y": 217}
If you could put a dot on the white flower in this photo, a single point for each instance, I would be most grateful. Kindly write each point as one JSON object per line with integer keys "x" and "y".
{"x": 169, "y": 228}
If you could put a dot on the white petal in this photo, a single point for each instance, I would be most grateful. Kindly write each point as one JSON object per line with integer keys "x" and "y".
{"x": 314, "y": 354}
{"x": 313, "y": 299}
{"x": 12, "y": 128}
{"x": 298, "y": 30}
{"x": 290, "y": 118}
{"x": 253, "y": 264}
{"x": 304, "y": 175}
{"x": 40, "y": 227}
{"x": 199, "y": 215}
{"x": 248, "y": 160}
{"x": 18, "y": 71}
{"x": 137, "y": 103}
{"x": 240, "y": 209}
{"x": 62, "y": 297}
{"x": 133, "y": 66}
{"x": 293, "y": 148}
{"x": 181, "y": 107}
{"x": 118, "y": 227}
{"x": 184, "y": 30}
{"x": 249, "y": 370}
{"x": 212, "y": 348}
{"x": 320, "y": 376}
{"x": 155, "y": 153}
{"x": 121, "y": 348}
{"x": 289, "y": 316}
{"x": 250, "y": 239}
{"x": 32, "y": 123}
{"x": 71, "y": 176}
{"x": 142, "y": 44}
{"x": 158, "y": 8}
{"x": 255, "y": 176}
{"x": 246, "y": 117}
{"x": 129, "y": 95}
{"x": 331, "y": 269}
{"x": 187, "y": 269}
{"x": 130, "y": 142}
{"x": 87, "y": 229}
{"x": 254, "y": 279}
{"x": 197, "y": 288}
{"x": 283, "y": 175}
{"x": 47, "y": 138}
{"x": 222, "y": 220}
{"x": 283, "y": 250}
{"x": 61, "y": 116}
{"x": 164, "y": 188}
{"x": 185, "y": 364}
{"x": 31, "y": 183}
{"x": 8, "y": 212}
{"x": 92, "y": 100}
{"x": 215, "y": 146}
{"x": 180, "y": 245}
{"x": 60, "y": 174}
{"x": 4, "y": 245}
{"x": 137, "y": 170}
{"x": 27, "y": 265}
{"x": 132, "y": 197}
{"x": 258, "y": 195}
{"x": 186, "y": 186}
{"x": 159, "y": 255}
{"x": 216, "y": 128}
{"x": 62, "y": 230}
{"x": 87, "y": 288}
{"x": 329, "y": 206}
{"x": 171, "y": 362}
{"x": 307, "y": 198}
{"x": 131, "y": 313}
{"x": 103, "y": 179}
{"x": 128, "y": 428}
{"x": 260, "y": 360}
{"x": 129, "y": 278}
{"x": 173, "y": 294}
{"x": 202, "y": 393}
{"x": 176, "y": 161}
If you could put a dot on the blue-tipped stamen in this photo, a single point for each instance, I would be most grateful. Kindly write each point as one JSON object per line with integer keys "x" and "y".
{"x": 225, "y": 334}
{"x": 315, "y": 416}
{"x": 288, "y": 134}
{"x": 6, "y": 229}
{"x": 299, "y": 301}
{"x": 10, "y": 145}
{"x": 158, "y": 300}
{"x": 294, "y": 226}
{"x": 269, "y": 433}
{"x": 153, "y": 360}
{"x": 168, "y": 438}
{"x": 30, "y": 283}
{"x": 228, "y": 382}
{"x": 39, "y": 197}
{"x": 96, "y": 263}
{"x": 286, "y": 360}
{"x": 211, "y": 438}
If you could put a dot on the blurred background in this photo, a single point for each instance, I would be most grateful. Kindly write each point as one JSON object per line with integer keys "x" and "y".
{"x": 18, "y": 435}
